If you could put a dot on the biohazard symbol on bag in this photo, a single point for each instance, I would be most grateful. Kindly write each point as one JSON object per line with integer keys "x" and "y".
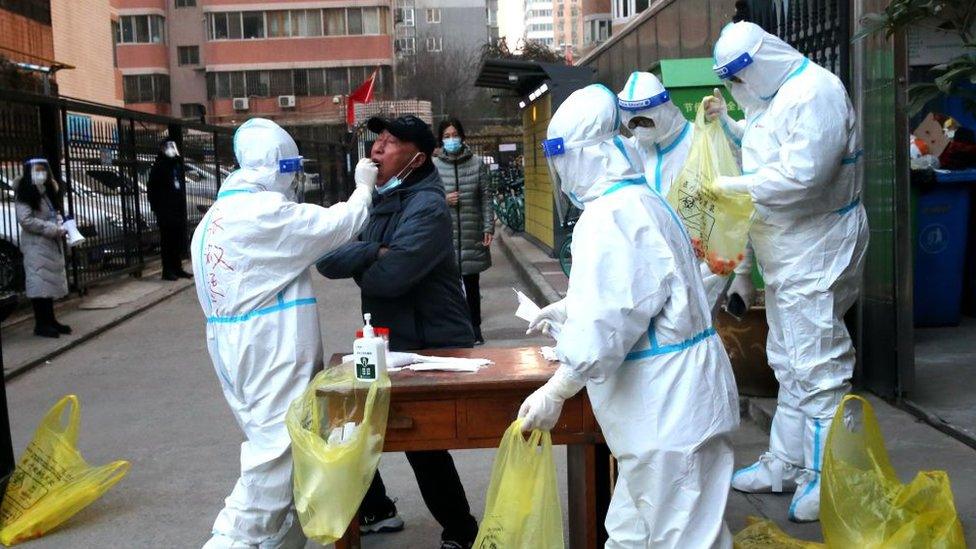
{"x": 717, "y": 223}
{"x": 522, "y": 508}
{"x": 52, "y": 481}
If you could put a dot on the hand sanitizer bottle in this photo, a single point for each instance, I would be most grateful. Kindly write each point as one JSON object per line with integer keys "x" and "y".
{"x": 369, "y": 353}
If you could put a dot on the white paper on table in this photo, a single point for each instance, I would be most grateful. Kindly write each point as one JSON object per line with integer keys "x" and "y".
{"x": 396, "y": 361}
{"x": 549, "y": 353}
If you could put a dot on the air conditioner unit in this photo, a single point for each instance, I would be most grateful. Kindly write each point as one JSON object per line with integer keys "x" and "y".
{"x": 286, "y": 101}
{"x": 241, "y": 104}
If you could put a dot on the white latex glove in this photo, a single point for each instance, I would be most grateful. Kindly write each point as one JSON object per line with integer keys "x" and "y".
{"x": 715, "y": 105}
{"x": 740, "y": 184}
{"x": 742, "y": 283}
{"x": 552, "y": 315}
{"x": 542, "y": 408}
{"x": 366, "y": 172}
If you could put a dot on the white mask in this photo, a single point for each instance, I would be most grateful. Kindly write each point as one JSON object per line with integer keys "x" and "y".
{"x": 646, "y": 134}
{"x": 39, "y": 178}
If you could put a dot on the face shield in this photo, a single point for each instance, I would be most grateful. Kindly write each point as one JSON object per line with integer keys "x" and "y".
{"x": 170, "y": 150}
{"x": 292, "y": 170}
{"x": 554, "y": 151}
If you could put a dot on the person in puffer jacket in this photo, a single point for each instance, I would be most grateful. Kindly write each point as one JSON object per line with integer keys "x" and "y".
{"x": 472, "y": 218}
{"x": 38, "y": 205}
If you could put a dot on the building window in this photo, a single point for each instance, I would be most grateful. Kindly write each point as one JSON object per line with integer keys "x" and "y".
{"x": 188, "y": 55}
{"x": 335, "y": 22}
{"x": 306, "y": 22}
{"x": 225, "y": 26}
{"x": 279, "y": 24}
{"x": 186, "y": 3}
{"x": 192, "y": 110}
{"x": 371, "y": 21}
{"x": 253, "y": 24}
{"x": 435, "y": 43}
{"x": 433, "y": 15}
{"x": 141, "y": 29}
{"x": 407, "y": 17}
{"x": 354, "y": 20}
{"x": 337, "y": 81}
{"x": 146, "y": 88}
{"x": 406, "y": 46}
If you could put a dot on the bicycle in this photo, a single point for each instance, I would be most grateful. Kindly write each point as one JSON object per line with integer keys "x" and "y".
{"x": 565, "y": 254}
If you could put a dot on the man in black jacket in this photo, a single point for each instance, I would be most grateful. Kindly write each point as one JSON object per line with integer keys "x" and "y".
{"x": 405, "y": 266}
{"x": 167, "y": 198}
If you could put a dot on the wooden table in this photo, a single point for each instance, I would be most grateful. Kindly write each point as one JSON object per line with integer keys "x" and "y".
{"x": 453, "y": 411}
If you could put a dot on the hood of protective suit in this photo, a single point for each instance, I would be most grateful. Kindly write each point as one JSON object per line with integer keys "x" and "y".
{"x": 644, "y": 95}
{"x": 596, "y": 157}
{"x": 258, "y": 145}
{"x": 773, "y": 62}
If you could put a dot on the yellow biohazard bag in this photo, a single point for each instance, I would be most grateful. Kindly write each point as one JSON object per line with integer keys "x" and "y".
{"x": 717, "y": 223}
{"x": 52, "y": 481}
{"x": 862, "y": 502}
{"x": 522, "y": 508}
{"x": 764, "y": 534}
{"x": 337, "y": 429}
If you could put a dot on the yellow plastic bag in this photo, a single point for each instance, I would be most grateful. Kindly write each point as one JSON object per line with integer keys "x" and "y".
{"x": 522, "y": 508}
{"x": 717, "y": 223}
{"x": 764, "y": 534}
{"x": 52, "y": 481}
{"x": 337, "y": 429}
{"x": 862, "y": 502}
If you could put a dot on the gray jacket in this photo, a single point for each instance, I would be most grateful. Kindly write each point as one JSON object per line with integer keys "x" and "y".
{"x": 465, "y": 172}
{"x": 41, "y": 244}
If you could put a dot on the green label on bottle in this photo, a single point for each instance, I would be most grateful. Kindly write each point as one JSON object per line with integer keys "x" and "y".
{"x": 365, "y": 370}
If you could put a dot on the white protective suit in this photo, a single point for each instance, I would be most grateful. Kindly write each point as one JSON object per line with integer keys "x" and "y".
{"x": 664, "y": 148}
{"x": 638, "y": 333}
{"x": 251, "y": 254}
{"x": 800, "y": 147}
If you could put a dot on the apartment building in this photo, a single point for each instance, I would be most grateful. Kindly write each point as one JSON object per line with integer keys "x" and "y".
{"x": 540, "y": 23}
{"x": 227, "y": 60}
{"x": 433, "y": 26}
{"x": 568, "y": 26}
{"x": 624, "y": 11}
{"x": 597, "y": 23}
{"x": 78, "y": 42}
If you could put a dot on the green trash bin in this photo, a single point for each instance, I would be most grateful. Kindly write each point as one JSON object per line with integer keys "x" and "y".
{"x": 689, "y": 80}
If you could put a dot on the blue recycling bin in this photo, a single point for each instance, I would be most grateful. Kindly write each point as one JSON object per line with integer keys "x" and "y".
{"x": 941, "y": 227}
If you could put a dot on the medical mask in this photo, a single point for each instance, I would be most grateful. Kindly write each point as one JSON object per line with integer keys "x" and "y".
{"x": 645, "y": 134}
{"x": 397, "y": 179}
{"x": 39, "y": 178}
{"x": 749, "y": 101}
{"x": 171, "y": 151}
{"x": 452, "y": 144}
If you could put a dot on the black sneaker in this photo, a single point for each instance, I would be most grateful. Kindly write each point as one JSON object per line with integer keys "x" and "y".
{"x": 384, "y": 522}
{"x": 47, "y": 331}
{"x": 63, "y": 329}
{"x": 451, "y": 544}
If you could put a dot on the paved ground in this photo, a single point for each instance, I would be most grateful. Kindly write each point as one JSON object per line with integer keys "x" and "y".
{"x": 945, "y": 384}
{"x": 149, "y": 395}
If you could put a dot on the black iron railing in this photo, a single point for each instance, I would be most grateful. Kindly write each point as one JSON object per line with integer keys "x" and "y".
{"x": 102, "y": 156}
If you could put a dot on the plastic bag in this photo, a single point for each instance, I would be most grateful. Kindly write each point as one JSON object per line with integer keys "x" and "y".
{"x": 522, "y": 508}
{"x": 862, "y": 502}
{"x": 764, "y": 534}
{"x": 717, "y": 223}
{"x": 337, "y": 429}
{"x": 52, "y": 481}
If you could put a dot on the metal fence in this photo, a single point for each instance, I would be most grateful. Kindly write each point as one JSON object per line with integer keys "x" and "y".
{"x": 820, "y": 29}
{"x": 102, "y": 156}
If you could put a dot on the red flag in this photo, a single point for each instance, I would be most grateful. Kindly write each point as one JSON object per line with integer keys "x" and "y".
{"x": 363, "y": 94}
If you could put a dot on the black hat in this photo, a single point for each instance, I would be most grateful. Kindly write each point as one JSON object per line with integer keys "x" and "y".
{"x": 406, "y": 128}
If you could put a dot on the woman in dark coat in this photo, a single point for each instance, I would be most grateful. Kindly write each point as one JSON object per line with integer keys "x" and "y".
{"x": 466, "y": 185}
{"x": 41, "y": 242}
{"x": 167, "y": 198}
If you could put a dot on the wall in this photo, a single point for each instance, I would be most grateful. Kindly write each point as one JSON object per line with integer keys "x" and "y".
{"x": 188, "y": 84}
{"x": 668, "y": 29}
{"x": 89, "y": 50}
{"x": 538, "y": 189}
{"x": 26, "y": 35}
